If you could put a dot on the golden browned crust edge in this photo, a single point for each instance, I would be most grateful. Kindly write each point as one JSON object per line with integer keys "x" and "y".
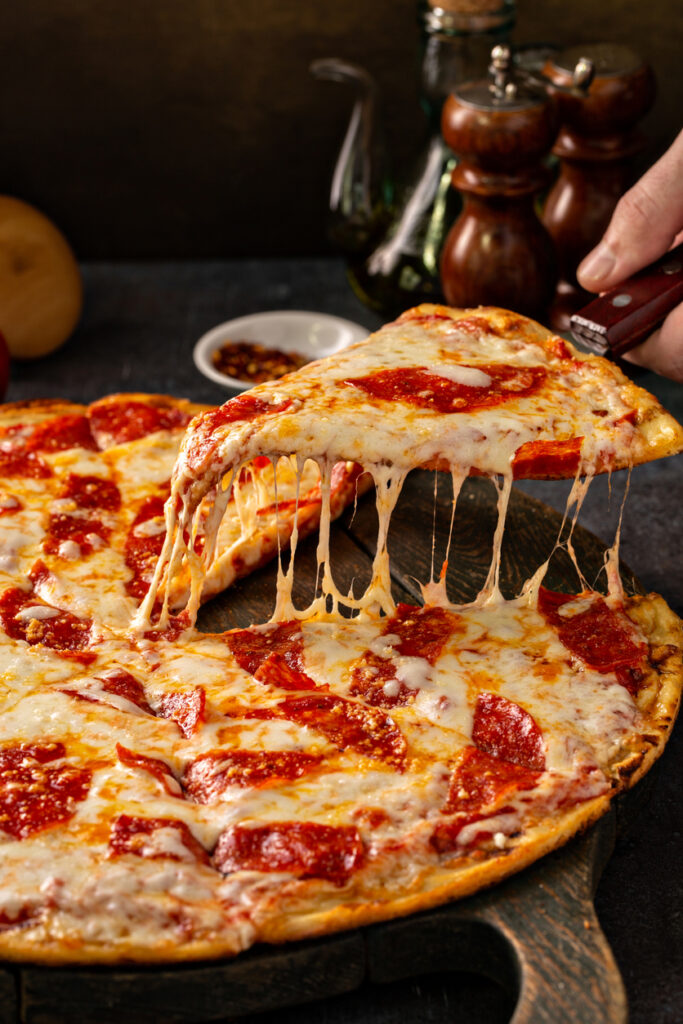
{"x": 660, "y": 694}
{"x": 52, "y": 953}
{"x": 439, "y": 886}
{"x": 37, "y": 409}
{"x": 152, "y": 398}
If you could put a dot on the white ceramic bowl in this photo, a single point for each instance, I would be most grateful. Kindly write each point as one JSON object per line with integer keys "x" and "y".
{"x": 291, "y": 330}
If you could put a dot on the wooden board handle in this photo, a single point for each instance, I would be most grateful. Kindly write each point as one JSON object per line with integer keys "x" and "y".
{"x": 566, "y": 971}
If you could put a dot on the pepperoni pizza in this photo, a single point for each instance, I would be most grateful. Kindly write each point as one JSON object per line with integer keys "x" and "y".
{"x": 167, "y": 794}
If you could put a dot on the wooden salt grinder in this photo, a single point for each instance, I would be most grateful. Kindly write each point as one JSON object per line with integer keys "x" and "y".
{"x": 596, "y": 146}
{"x": 498, "y": 252}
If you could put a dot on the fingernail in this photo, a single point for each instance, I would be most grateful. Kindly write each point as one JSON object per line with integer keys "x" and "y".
{"x": 597, "y": 266}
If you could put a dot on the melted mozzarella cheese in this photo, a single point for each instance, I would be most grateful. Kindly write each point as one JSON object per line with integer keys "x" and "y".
{"x": 469, "y": 376}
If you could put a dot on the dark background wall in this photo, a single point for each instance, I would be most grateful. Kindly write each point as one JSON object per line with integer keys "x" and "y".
{"x": 176, "y": 128}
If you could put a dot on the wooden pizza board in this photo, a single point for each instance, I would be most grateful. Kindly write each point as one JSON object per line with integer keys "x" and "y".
{"x": 536, "y": 934}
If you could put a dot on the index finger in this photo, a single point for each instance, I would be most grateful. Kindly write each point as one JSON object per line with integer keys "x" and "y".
{"x": 644, "y": 225}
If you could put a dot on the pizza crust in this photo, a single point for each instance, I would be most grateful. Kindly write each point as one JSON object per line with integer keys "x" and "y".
{"x": 36, "y": 410}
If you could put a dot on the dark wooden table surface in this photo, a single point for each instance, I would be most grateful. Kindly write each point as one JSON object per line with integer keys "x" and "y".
{"x": 138, "y": 329}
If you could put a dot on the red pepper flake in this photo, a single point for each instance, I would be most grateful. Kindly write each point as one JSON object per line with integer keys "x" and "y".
{"x": 254, "y": 362}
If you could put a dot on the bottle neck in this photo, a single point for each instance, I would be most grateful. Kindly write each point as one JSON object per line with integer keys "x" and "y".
{"x": 456, "y": 41}
{"x": 464, "y": 17}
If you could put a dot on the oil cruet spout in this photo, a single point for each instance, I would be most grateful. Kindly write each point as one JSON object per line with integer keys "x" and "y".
{"x": 361, "y": 192}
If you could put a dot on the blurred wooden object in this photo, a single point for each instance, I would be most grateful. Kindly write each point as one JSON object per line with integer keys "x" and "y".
{"x": 498, "y": 252}
{"x": 596, "y": 147}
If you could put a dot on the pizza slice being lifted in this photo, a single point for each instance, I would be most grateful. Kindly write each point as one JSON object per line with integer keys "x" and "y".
{"x": 469, "y": 391}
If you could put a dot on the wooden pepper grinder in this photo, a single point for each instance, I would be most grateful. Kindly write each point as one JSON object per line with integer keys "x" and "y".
{"x": 498, "y": 252}
{"x": 596, "y": 147}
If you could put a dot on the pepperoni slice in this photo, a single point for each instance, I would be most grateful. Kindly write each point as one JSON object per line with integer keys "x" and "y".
{"x": 118, "y": 682}
{"x": 24, "y": 915}
{"x": 144, "y": 543}
{"x": 186, "y": 708}
{"x": 92, "y": 492}
{"x": 479, "y": 785}
{"x": 61, "y": 631}
{"x": 89, "y": 534}
{"x": 117, "y": 422}
{"x": 481, "y": 780}
{"x": 53, "y": 435}
{"x": 21, "y": 444}
{"x": 601, "y": 637}
{"x": 302, "y": 848}
{"x": 177, "y": 624}
{"x": 251, "y": 647}
{"x": 276, "y": 671}
{"x": 19, "y": 462}
{"x": 427, "y": 390}
{"x": 505, "y": 730}
{"x": 155, "y": 838}
{"x": 61, "y": 433}
{"x": 423, "y": 633}
{"x": 410, "y": 316}
{"x": 153, "y": 766}
{"x": 35, "y": 795}
{"x": 211, "y": 774}
{"x": 39, "y": 574}
{"x": 76, "y": 528}
{"x": 346, "y": 724}
{"x": 121, "y": 683}
{"x": 242, "y": 408}
{"x": 547, "y": 459}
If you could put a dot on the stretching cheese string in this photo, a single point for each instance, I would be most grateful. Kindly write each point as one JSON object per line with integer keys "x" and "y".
{"x": 185, "y": 525}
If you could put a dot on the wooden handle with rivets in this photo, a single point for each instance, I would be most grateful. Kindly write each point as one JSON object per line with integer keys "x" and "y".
{"x": 623, "y": 317}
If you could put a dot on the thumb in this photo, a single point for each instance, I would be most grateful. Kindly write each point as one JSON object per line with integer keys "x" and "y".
{"x": 644, "y": 225}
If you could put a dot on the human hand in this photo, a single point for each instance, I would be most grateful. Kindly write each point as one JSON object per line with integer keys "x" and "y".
{"x": 647, "y": 222}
